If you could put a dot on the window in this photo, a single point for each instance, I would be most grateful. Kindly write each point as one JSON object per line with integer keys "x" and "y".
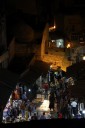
{"x": 60, "y": 43}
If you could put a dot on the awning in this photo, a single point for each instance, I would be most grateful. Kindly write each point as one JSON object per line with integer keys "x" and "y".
{"x": 37, "y": 69}
{"x": 8, "y": 81}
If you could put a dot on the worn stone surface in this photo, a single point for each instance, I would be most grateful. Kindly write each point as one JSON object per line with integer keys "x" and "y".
{"x": 57, "y": 59}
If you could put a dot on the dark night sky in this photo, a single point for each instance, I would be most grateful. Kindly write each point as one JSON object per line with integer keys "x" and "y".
{"x": 25, "y": 5}
{"x": 34, "y": 7}
{"x": 43, "y": 6}
{"x": 40, "y": 7}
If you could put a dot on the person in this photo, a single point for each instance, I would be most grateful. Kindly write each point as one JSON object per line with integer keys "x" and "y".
{"x": 74, "y": 107}
{"x": 51, "y": 101}
{"x": 26, "y": 114}
{"x": 34, "y": 117}
{"x": 60, "y": 115}
{"x": 56, "y": 115}
{"x": 22, "y": 107}
{"x": 24, "y": 96}
{"x": 43, "y": 116}
{"x": 46, "y": 90}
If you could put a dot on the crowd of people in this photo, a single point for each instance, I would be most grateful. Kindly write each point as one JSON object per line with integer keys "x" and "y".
{"x": 67, "y": 106}
{"x": 19, "y": 105}
{"x": 21, "y": 108}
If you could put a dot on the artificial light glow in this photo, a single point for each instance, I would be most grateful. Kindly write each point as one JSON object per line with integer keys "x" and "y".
{"x": 83, "y": 112}
{"x": 68, "y": 45}
{"x": 60, "y": 43}
{"x": 53, "y": 40}
{"x": 51, "y": 66}
{"x": 44, "y": 106}
{"x": 29, "y": 90}
{"x": 73, "y": 115}
{"x": 54, "y": 26}
{"x": 83, "y": 57}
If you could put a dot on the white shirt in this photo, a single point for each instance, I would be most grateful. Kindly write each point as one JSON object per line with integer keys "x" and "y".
{"x": 74, "y": 104}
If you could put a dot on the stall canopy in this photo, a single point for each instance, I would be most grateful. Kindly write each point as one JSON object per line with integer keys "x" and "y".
{"x": 37, "y": 69}
{"x": 8, "y": 81}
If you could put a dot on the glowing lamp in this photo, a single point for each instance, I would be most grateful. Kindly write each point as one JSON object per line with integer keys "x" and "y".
{"x": 68, "y": 45}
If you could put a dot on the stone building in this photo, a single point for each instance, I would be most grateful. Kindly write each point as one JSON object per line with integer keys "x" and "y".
{"x": 73, "y": 26}
{"x": 29, "y": 40}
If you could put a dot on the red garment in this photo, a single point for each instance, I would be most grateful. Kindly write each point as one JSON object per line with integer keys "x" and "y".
{"x": 45, "y": 86}
{"x": 60, "y": 115}
{"x": 17, "y": 96}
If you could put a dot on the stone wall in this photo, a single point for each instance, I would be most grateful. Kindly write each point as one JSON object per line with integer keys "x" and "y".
{"x": 57, "y": 59}
{"x": 44, "y": 43}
